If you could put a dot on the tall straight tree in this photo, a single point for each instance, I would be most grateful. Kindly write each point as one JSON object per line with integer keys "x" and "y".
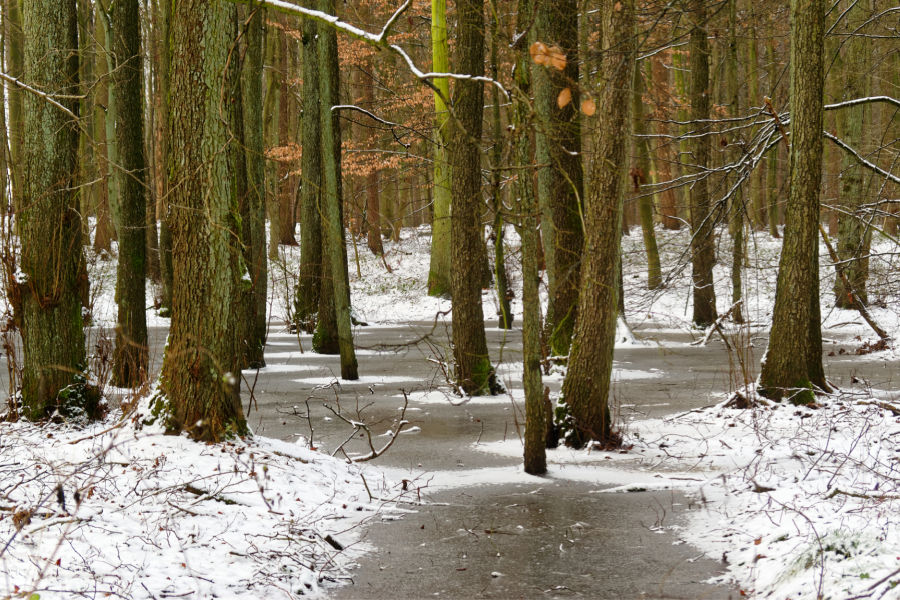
{"x": 703, "y": 253}
{"x": 474, "y": 373}
{"x": 854, "y": 234}
{"x": 587, "y": 383}
{"x": 439, "y": 270}
{"x": 560, "y": 176}
{"x": 15, "y": 63}
{"x": 792, "y": 366}
{"x": 201, "y": 365}
{"x": 131, "y": 356}
{"x": 306, "y": 297}
{"x": 333, "y": 226}
{"x": 255, "y": 246}
{"x": 640, "y": 173}
{"x": 49, "y": 221}
{"x": 536, "y": 417}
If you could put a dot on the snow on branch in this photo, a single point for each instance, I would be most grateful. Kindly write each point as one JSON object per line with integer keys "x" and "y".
{"x": 378, "y": 40}
{"x": 843, "y": 146}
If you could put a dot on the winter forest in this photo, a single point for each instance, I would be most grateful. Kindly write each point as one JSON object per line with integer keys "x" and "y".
{"x": 466, "y": 298}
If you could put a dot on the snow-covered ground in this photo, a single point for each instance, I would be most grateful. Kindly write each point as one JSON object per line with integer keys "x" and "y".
{"x": 800, "y": 502}
{"x": 120, "y": 510}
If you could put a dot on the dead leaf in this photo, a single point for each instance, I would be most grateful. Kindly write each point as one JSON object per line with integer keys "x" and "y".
{"x": 557, "y": 58}
{"x": 565, "y": 96}
{"x": 588, "y": 107}
{"x": 538, "y": 51}
{"x": 617, "y": 7}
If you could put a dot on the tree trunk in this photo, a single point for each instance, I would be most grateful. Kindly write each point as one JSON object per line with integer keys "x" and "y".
{"x": 306, "y": 299}
{"x": 792, "y": 366}
{"x": 854, "y": 233}
{"x": 287, "y": 192}
{"x": 15, "y": 66}
{"x": 502, "y": 281}
{"x": 439, "y": 270}
{"x": 201, "y": 367}
{"x": 736, "y": 207}
{"x": 255, "y": 246}
{"x": 49, "y": 222}
{"x": 639, "y": 173}
{"x": 536, "y": 417}
{"x": 668, "y": 205}
{"x": 474, "y": 372}
{"x": 333, "y": 226}
{"x": 560, "y": 176}
{"x": 587, "y": 383}
{"x": 703, "y": 255}
{"x": 131, "y": 355}
{"x": 163, "y": 28}
{"x": 772, "y": 158}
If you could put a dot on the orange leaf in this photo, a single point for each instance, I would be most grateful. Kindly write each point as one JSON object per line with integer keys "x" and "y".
{"x": 538, "y": 51}
{"x": 588, "y": 106}
{"x": 564, "y": 98}
{"x": 557, "y": 58}
{"x": 618, "y": 6}
{"x": 757, "y": 541}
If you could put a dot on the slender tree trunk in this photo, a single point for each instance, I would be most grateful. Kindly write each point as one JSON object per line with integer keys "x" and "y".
{"x": 587, "y": 383}
{"x": 255, "y": 246}
{"x": 536, "y": 414}
{"x": 792, "y": 366}
{"x": 854, "y": 233}
{"x": 703, "y": 255}
{"x": 306, "y": 300}
{"x": 131, "y": 355}
{"x": 474, "y": 372}
{"x": 103, "y": 233}
{"x": 200, "y": 375}
{"x": 164, "y": 15}
{"x": 639, "y": 174}
{"x": 15, "y": 66}
{"x": 560, "y": 176}
{"x": 502, "y": 282}
{"x": 772, "y": 157}
{"x": 736, "y": 208}
{"x": 113, "y": 179}
{"x": 373, "y": 209}
{"x": 49, "y": 222}
{"x": 333, "y": 226}
{"x": 439, "y": 271}
{"x": 668, "y": 205}
{"x": 287, "y": 191}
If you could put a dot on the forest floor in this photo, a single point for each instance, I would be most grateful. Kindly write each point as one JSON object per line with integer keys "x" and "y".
{"x": 782, "y": 502}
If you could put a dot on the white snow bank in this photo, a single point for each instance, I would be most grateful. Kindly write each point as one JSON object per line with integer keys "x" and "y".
{"x": 111, "y": 511}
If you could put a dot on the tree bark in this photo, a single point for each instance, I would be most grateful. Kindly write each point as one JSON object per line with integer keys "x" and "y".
{"x": 703, "y": 255}
{"x": 439, "y": 270}
{"x": 49, "y": 222}
{"x": 131, "y": 354}
{"x": 474, "y": 372}
{"x": 333, "y": 226}
{"x": 201, "y": 367}
{"x": 792, "y": 366}
{"x": 640, "y": 172}
{"x": 255, "y": 228}
{"x": 560, "y": 176}
{"x": 587, "y": 383}
{"x": 306, "y": 298}
{"x": 536, "y": 415}
{"x": 854, "y": 238}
